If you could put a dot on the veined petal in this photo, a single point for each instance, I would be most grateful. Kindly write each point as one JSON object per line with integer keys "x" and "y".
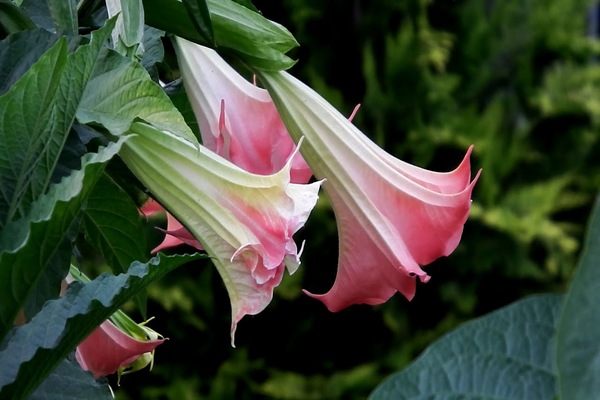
{"x": 244, "y": 221}
{"x": 392, "y": 217}
{"x": 237, "y": 119}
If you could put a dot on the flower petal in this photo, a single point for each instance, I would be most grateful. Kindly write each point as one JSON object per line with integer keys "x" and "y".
{"x": 237, "y": 119}
{"x": 108, "y": 348}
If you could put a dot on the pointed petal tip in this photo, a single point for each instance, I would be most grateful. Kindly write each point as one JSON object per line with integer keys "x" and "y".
{"x": 323, "y": 298}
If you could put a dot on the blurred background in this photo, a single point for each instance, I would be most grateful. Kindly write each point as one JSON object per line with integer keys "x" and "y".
{"x": 519, "y": 80}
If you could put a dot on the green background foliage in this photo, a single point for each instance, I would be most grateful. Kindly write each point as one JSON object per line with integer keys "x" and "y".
{"x": 519, "y": 80}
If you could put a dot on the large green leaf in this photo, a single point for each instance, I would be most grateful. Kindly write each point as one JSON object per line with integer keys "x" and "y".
{"x": 578, "y": 330}
{"x": 504, "y": 355}
{"x": 69, "y": 382}
{"x": 32, "y": 351}
{"x": 35, "y": 118}
{"x": 123, "y": 91}
{"x": 26, "y": 126}
{"x": 29, "y": 244}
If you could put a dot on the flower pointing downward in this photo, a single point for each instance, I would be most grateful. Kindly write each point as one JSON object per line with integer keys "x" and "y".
{"x": 392, "y": 217}
{"x": 245, "y": 222}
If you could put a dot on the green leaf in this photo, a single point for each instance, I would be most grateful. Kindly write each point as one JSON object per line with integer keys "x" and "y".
{"x": 113, "y": 225}
{"x": 48, "y": 284}
{"x": 39, "y": 12}
{"x": 122, "y": 92}
{"x": 198, "y": 12}
{"x": 20, "y": 51}
{"x": 578, "y": 330}
{"x": 35, "y": 118}
{"x": 64, "y": 15}
{"x": 69, "y": 382}
{"x": 28, "y": 245}
{"x": 506, "y": 354}
{"x": 12, "y": 19}
{"x": 25, "y": 138}
{"x": 154, "y": 51}
{"x": 33, "y": 350}
{"x": 239, "y": 31}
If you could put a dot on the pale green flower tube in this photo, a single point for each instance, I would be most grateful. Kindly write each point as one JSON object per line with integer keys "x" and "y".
{"x": 244, "y": 221}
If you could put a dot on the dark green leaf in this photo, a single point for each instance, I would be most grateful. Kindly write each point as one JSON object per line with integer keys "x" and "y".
{"x": 200, "y": 16}
{"x": 154, "y": 51}
{"x": 578, "y": 330}
{"x": 48, "y": 284}
{"x": 69, "y": 382}
{"x": 12, "y": 19}
{"x": 27, "y": 245}
{"x": 180, "y": 99}
{"x": 113, "y": 225}
{"x": 39, "y": 12}
{"x": 24, "y": 139}
{"x": 20, "y": 51}
{"x": 506, "y": 354}
{"x": 64, "y": 15}
{"x": 33, "y": 350}
{"x": 45, "y": 99}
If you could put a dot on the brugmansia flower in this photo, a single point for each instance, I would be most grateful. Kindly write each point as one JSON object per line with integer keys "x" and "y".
{"x": 237, "y": 119}
{"x": 392, "y": 217}
{"x": 108, "y": 349}
{"x": 244, "y": 221}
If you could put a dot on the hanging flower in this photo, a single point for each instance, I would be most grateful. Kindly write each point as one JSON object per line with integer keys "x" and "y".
{"x": 244, "y": 221}
{"x": 237, "y": 119}
{"x": 392, "y": 217}
{"x": 108, "y": 349}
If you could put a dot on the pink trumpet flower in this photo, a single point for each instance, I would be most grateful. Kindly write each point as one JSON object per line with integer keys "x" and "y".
{"x": 237, "y": 119}
{"x": 108, "y": 349}
{"x": 392, "y": 217}
{"x": 245, "y": 222}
